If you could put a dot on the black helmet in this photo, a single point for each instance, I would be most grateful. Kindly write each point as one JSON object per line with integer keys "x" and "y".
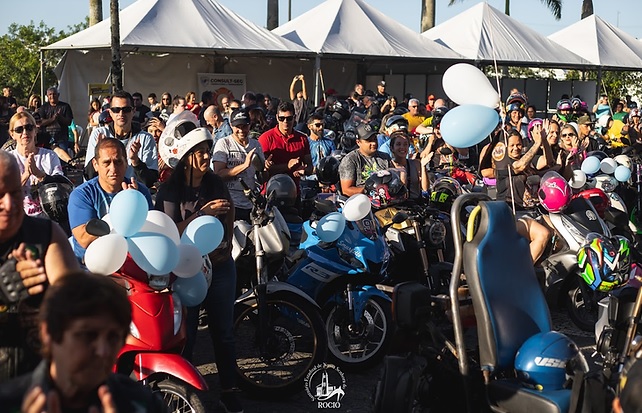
{"x": 438, "y": 114}
{"x": 348, "y": 141}
{"x": 601, "y": 155}
{"x": 104, "y": 118}
{"x": 284, "y": 190}
{"x": 396, "y": 122}
{"x": 328, "y": 170}
{"x": 53, "y": 194}
{"x": 400, "y": 110}
{"x": 385, "y": 188}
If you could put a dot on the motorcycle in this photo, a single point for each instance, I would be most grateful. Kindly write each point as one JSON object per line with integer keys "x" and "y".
{"x": 341, "y": 275}
{"x": 279, "y": 332}
{"x": 152, "y": 352}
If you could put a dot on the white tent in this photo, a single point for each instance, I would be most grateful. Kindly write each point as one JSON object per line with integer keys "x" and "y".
{"x": 601, "y": 43}
{"x": 354, "y": 28}
{"x": 185, "y": 26}
{"x": 483, "y": 33}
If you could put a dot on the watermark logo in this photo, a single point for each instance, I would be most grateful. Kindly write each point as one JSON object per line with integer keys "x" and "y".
{"x": 325, "y": 384}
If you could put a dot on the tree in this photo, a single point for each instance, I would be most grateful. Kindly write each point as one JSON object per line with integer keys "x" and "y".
{"x": 427, "y": 14}
{"x": 20, "y": 56}
{"x": 587, "y": 8}
{"x": 554, "y": 5}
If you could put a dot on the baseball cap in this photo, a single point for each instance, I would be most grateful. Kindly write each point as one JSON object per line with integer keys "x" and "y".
{"x": 365, "y": 132}
{"x": 584, "y": 120}
{"x": 382, "y": 83}
{"x": 238, "y": 118}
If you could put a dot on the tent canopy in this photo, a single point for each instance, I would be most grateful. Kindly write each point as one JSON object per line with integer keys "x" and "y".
{"x": 352, "y": 27}
{"x": 185, "y": 26}
{"x": 601, "y": 44}
{"x": 483, "y": 33}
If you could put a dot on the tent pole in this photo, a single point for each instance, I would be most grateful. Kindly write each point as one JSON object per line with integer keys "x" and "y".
{"x": 599, "y": 84}
{"x": 42, "y": 73}
{"x": 317, "y": 70}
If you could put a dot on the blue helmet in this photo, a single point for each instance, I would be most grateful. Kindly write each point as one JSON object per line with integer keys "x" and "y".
{"x": 543, "y": 361}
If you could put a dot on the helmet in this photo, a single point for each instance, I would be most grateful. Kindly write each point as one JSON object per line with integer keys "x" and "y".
{"x": 445, "y": 190}
{"x": 564, "y": 104}
{"x": 576, "y": 103}
{"x": 598, "y": 154}
{"x": 597, "y": 197}
{"x": 604, "y": 263}
{"x": 395, "y": 123}
{"x": 605, "y": 182}
{"x": 624, "y": 160}
{"x": 517, "y": 98}
{"x": 180, "y": 135}
{"x": 400, "y": 110}
{"x": 283, "y": 188}
{"x": 328, "y": 170}
{"x": 554, "y": 192}
{"x": 635, "y": 112}
{"x": 514, "y": 106}
{"x": 53, "y": 194}
{"x": 543, "y": 361}
{"x": 348, "y": 141}
{"x": 438, "y": 114}
{"x": 104, "y": 118}
{"x": 532, "y": 123}
{"x": 385, "y": 188}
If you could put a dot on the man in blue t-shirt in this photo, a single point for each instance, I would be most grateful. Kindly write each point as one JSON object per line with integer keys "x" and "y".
{"x": 321, "y": 140}
{"x": 93, "y": 198}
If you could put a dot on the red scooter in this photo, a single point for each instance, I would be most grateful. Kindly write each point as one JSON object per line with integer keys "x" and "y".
{"x": 152, "y": 352}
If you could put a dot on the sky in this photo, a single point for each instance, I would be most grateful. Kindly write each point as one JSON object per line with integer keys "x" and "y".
{"x": 533, "y": 13}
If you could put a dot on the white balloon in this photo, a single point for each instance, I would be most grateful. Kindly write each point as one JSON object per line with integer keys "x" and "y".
{"x": 106, "y": 254}
{"x": 356, "y": 207}
{"x": 608, "y": 165}
{"x": 107, "y": 219}
{"x": 465, "y": 84}
{"x": 578, "y": 179}
{"x": 160, "y": 223}
{"x": 190, "y": 261}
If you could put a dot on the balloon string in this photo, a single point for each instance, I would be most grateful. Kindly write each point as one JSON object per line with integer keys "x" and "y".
{"x": 502, "y": 118}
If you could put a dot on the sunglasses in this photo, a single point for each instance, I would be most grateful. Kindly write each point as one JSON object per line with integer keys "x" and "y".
{"x": 28, "y": 127}
{"x": 568, "y": 135}
{"x": 234, "y": 107}
{"x": 125, "y": 109}
{"x": 285, "y": 118}
{"x": 317, "y": 125}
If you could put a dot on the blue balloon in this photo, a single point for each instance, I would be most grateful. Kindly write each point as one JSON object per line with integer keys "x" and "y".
{"x": 128, "y": 212}
{"x": 154, "y": 253}
{"x": 331, "y": 226}
{"x": 622, "y": 173}
{"x": 192, "y": 291}
{"x": 467, "y": 125}
{"x": 591, "y": 165}
{"x": 206, "y": 232}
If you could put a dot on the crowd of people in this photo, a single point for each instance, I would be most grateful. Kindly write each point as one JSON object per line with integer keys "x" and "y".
{"x": 188, "y": 159}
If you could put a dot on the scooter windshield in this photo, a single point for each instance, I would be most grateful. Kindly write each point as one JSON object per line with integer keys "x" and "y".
{"x": 368, "y": 227}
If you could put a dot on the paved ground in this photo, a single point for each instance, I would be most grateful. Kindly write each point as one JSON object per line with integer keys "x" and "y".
{"x": 359, "y": 390}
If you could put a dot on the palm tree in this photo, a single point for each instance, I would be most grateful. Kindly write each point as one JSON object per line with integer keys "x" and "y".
{"x": 587, "y": 8}
{"x": 554, "y": 5}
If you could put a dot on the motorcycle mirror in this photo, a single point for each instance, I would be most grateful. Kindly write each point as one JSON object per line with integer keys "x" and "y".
{"x": 97, "y": 227}
{"x": 399, "y": 217}
{"x": 446, "y": 151}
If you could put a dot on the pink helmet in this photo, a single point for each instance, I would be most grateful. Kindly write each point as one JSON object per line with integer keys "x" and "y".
{"x": 554, "y": 192}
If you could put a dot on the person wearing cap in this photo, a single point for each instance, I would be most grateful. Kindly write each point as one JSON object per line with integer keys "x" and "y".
{"x": 381, "y": 95}
{"x": 634, "y": 126}
{"x": 371, "y": 107}
{"x": 358, "y": 165}
{"x": 431, "y": 103}
{"x": 286, "y": 150}
{"x": 585, "y": 126}
{"x": 237, "y": 157}
{"x": 141, "y": 152}
{"x": 194, "y": 190}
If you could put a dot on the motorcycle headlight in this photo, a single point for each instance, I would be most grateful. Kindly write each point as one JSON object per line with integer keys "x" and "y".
{"x": 178, "y": 312}
{"x": 133, "y": 330}
{"x": 436, "y": 233}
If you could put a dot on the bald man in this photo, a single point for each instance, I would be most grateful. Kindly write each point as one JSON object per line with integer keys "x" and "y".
{"x": 216, "y": 123}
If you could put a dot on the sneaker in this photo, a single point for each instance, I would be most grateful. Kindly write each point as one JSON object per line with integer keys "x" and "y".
{"x": 230, "y": 403}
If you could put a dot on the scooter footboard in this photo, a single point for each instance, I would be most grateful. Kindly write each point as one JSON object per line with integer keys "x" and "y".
{"x": 558, "y": 268}
{"x": 143, "y": 365}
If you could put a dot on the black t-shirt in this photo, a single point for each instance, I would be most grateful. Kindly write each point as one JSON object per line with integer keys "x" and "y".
{"x": 58, "y": 130}
{"x": 523, "y": 196}
{"x": 140, "y": 114}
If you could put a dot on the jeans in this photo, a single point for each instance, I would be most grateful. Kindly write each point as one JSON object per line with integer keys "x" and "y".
{"x": 219, "y": 304}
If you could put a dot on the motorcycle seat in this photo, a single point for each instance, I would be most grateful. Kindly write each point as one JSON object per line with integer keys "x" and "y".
{"x": 509, "y": 307}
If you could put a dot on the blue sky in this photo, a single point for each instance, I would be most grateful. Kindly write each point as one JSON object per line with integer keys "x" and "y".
{"x": 623, "y": 14}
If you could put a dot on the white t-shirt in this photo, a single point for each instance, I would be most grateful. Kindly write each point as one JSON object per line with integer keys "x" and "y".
{"x": 47, "y": 161}
{"x": 231, "y": 152}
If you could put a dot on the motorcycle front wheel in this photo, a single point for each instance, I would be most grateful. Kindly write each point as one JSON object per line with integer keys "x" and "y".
{"x": 581, "y": 305}
{"x": 295, "y": 343}
{"x": 178, "y": 396}
{"x": 358, "y": 346}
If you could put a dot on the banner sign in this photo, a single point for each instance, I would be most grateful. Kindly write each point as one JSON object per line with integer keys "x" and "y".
{"x": 230, "y": 85}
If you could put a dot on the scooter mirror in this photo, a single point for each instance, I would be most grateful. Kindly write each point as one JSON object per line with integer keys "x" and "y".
{"x": 97, "y": 227}
{"x": 399, "y": 217}
{"x": 446, "y": 151}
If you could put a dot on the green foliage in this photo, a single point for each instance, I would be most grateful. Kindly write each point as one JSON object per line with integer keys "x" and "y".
{"x": 20, "y": 56}
{"x": 617, "y": 84}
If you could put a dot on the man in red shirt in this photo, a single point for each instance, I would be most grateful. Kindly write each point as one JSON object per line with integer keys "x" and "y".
{"x": 286, "y": 150}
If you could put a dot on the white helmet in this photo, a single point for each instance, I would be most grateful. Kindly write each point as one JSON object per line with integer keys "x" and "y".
{"x": 180, "y": 135}
{"x": 624, "y": 160}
